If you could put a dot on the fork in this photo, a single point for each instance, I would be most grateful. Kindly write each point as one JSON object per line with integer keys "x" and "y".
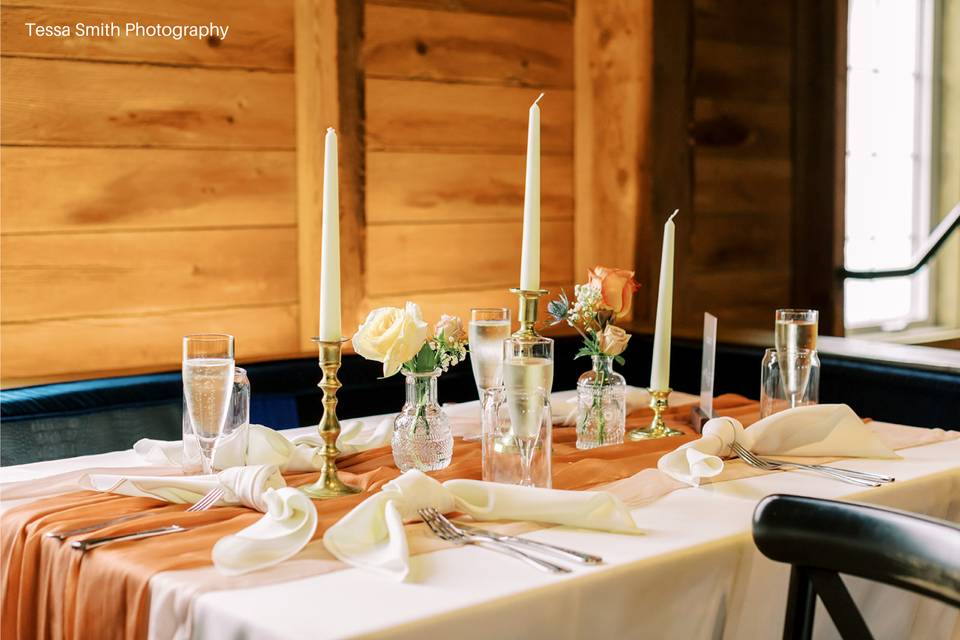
{"x": 543, "y": 547}
{"x": 449, "y": 534}
{"x": 774, "y": 465}
{"x": 204, "y": 503}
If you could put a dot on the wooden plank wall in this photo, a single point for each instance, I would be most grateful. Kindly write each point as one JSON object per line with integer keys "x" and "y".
{"x": 447, "y": 88}
{"x": 734, "y": 251}
{"x": 148, "y": 187}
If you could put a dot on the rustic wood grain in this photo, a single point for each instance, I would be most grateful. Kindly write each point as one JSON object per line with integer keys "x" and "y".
{"x": 761, "y": 186}
{"x": 736, "y": 242}
{"x": 744, "y": 21}
{"x": 614, "y": 71}
{"x": 255, "y": 26}
{"x": 406, "y": 115}
{"x": 146, "y": 342}
{"x": 418, "y": 258}
{"x": 57, "y": 102}
{"x": 543, "y": 9}
{"x": 734, "y": 70}
{"x": 72, "y": 275}
{"x": 447, "y": 187}
{"x": 50, "y": 189}
{"x": 466, "y": 47}
{"x": 741, "y": 128}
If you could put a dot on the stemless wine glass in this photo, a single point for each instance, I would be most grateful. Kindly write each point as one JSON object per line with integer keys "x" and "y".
{"x": 207, "y": 386}
{"x": 795, "y": 330}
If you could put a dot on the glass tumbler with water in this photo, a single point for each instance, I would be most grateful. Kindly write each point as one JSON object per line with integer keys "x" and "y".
{"x": 208, "y": 371}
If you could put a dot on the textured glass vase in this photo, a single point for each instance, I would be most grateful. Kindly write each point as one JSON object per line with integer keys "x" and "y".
{"x": 601, "y": 405}
{"x": 421, "y": 433}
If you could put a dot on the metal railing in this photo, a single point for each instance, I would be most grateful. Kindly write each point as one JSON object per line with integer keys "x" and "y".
{"x": 933, "y": 243}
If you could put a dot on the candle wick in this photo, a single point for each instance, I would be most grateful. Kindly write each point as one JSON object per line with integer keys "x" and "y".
{"x": 330, "y": 130}
{"x": 538, "y": 99}
{"x": 673, "y": 215}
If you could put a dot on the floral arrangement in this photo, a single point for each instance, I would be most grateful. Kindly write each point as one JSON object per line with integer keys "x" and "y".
{"x": 399, "y": 339}
{"x": 606, "y": 297}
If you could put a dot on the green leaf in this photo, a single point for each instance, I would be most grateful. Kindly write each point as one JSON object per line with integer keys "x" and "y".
{"x": 619, "y": 360}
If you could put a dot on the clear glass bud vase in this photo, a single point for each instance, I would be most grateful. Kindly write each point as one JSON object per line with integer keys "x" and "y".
{"x": 601, "y": 405}
{"x": 421, "y": 433}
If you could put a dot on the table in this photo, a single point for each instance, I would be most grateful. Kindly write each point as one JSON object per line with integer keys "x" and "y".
{"x": 694, "y": 574}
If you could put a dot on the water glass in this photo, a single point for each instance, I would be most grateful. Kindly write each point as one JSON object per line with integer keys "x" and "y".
{"x": 232, "y": 444}
{"x": 517, "y": 439}
{"x": 208, "y": 374}
{"x": 488, "y": 328}
{"x": 788, "y": 379}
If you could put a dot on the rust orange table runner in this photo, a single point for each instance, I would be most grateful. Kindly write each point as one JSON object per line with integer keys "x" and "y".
{"x": 51, "y": 591}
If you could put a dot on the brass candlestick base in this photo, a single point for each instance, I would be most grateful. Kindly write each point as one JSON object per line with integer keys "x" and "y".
{"x": 529, "y": 301}
{"x": 329, "y": 485}
{"x": 658, "y": 428}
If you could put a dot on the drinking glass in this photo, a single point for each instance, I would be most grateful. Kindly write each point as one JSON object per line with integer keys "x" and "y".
{"x": 233, "y": 441}
{"x": 795, "y": 330}
{"x": 801, "y": 367}
{"x": 526, "y": 407}
{"x": 208, "y": 373}
{"x": 487, "y": 330}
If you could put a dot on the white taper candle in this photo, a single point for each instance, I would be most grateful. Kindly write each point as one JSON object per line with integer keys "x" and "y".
{"x": 530, "y": 256}
{"x": 330, "y": 244}
{"x": 660, "y": 368}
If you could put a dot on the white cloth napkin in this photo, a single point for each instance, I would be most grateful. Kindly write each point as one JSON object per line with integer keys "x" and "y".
{"x": 242, "y": 485}
{"x": 288, "y": 524}
{"x": 267, "y": 446}
{"x": 817, "y": 430}
{"x": 372, "y": 535}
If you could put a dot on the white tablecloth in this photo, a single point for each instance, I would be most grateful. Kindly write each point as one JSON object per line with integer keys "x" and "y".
{"x": 694, "y": 574}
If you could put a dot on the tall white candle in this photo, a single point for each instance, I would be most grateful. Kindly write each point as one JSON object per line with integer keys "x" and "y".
{"x": 530, "y": 257}
{"x": 660, "y": 369}
{"x": 330, "y": 244}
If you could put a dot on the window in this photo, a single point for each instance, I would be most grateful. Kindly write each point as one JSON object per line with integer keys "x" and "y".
{"x": 890, "y": 46}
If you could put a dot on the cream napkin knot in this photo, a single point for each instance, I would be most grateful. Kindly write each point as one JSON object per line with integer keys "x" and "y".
{"x": 242, "y": 485}
{"x": 286, "y": 528}
{"x": 817, "y": 430}
{"x": 372, "y": 535}
{"x": 265, "y": 446}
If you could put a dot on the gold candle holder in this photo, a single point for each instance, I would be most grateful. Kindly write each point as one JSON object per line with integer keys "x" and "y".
{"x": 329, "y": 485}
{"x": 658, "y": 428}
{"x": 529, "y": 303}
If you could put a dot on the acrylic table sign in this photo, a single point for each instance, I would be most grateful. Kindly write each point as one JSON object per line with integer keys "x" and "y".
{"x": 704, "y": 411}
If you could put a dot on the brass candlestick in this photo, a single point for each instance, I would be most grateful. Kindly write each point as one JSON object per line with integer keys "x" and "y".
{"x": 329, "y": 485}
{"x": 658, "y": 428}
{"x": 529, "y": 302}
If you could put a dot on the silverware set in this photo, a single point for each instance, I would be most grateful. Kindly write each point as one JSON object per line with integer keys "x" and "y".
{"x": 850, "y": 476}
{"x": 516, "y": 547}
{"x": 204, "y": 503}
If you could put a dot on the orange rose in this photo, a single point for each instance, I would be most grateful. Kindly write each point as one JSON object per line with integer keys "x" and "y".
{"x": 616, "y": 288}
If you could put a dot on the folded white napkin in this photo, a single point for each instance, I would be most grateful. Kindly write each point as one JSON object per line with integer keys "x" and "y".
{"x": 817, "y": 430}
{"x": 267, "y": 446}
{"x": 286, "y": 528}
{"x": 242, "y": 485}
{"x": 372, "y": 535}
{"x": 289, "y": 520}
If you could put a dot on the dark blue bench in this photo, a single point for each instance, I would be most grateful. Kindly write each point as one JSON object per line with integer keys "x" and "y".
{"x": 78, "y": 418}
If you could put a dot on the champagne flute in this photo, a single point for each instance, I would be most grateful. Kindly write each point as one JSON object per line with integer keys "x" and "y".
{"x": 526, "y": 409}
{"x": 208, "y": 373}
{"x": 795, "y": 331}
{"x": 487, "y": 330}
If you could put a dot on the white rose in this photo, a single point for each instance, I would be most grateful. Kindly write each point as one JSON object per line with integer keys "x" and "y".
{"x": 391, "y": 336}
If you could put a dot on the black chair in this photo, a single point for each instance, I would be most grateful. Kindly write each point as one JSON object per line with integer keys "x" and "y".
{"x": 824, "y": 538}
